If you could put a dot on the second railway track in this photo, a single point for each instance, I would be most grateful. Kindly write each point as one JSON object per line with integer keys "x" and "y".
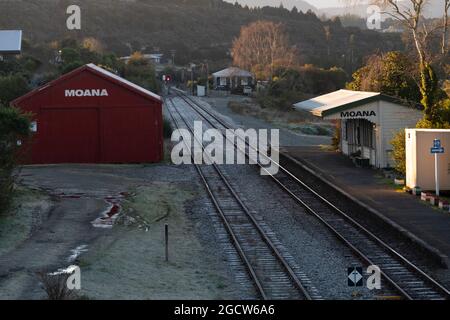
{"x": 273, "y": 276}
{"x": 407, "y": 279}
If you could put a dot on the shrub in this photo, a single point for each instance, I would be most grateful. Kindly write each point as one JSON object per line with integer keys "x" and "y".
{"x": 14, "y": 126}
{"x": 336, "y": 140}
{"x": 12, "y": 87}
{"x": 399, "y": 154}
{"x": 167, "y": 128}
{"x": 55, "y": 285}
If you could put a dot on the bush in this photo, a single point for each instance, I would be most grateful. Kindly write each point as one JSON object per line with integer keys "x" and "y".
{"x": 167, "y": 128}
{"x": 12, "y": 87}
{"x": 55, "y": 285}
{"x": 14, "y": 126}
{"x": 399, "y": 154}
{"x": 336, "y": 140}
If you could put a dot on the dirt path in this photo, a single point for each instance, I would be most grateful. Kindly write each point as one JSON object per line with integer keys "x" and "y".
{"x": 125, "y": 261}
{"x": 50, "y": 248}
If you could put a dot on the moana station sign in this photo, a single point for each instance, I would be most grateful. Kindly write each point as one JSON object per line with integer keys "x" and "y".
{"x": 358, "y": 114}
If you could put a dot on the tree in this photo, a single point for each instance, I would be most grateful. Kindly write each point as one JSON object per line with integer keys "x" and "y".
{"x": 392, "y": 73}
{"x": 12, "y": 87}
{"x": 14, "y": 126}
{"x": 410, "y": 16}
{"x": 262, "y": 47}
{"x": 445, "y": 23}
{"x": 140, "y": 71}
{"x": 93, "y": 45}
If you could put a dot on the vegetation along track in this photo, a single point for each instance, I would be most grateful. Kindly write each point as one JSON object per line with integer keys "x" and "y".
{"x": 406, "y": 278}
{"x": 272, "y": 275}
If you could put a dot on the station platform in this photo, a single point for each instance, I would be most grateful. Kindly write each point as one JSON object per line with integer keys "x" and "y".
{"x": 427, "y": 225}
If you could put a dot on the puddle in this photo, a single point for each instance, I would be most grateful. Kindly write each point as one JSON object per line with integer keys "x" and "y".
{"x": 109, "y": 216}
{"x": 75, "y": 253}
{"x": 68, "y": 270}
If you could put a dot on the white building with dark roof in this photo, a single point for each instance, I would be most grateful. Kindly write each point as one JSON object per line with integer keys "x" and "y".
{"x": 369, "y": 120}
{"x": 232, "y": 78}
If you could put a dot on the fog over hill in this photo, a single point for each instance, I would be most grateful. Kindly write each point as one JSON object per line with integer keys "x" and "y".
{"x": 288, "y": 4}
{"x": 433, "y": 9}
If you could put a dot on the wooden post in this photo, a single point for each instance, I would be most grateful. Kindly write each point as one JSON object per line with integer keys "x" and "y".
{"x": 166, "y": 236}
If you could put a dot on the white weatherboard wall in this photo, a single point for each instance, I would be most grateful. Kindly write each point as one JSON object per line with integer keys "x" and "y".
{"x": 420, "y": 162}
{"x": 395, "y": 118}
{"x": 389, "y": 118}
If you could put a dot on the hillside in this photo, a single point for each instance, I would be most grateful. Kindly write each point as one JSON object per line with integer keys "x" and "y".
{"x": 196, "y": 29}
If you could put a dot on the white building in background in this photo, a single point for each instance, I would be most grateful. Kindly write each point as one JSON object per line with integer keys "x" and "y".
{"x": 369, "y": 120}
{"x": 155, "y": 58}
{"x": 10, "y": 42}
{"x": 232, "y": 78}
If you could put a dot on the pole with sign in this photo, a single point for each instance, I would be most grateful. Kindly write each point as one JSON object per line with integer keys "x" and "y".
{"x": 437, "y": 149}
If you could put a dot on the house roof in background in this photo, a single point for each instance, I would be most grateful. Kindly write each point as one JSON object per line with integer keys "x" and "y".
{"x": 232, "y": 72}
{"x": 10, "y": 41}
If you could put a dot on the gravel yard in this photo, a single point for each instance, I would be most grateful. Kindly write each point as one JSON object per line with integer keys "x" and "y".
{"x": 288, "y": 137}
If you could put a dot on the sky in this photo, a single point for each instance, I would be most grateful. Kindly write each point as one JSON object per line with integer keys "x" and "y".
{"x": 325, "y": 3}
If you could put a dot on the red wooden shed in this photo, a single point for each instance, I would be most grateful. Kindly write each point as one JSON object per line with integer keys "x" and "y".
{"x": 91, "y": 115}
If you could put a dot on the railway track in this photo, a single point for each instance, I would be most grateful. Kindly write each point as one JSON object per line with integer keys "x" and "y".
{"x": 405, "y": 277}
{"x": 271, "y": 274}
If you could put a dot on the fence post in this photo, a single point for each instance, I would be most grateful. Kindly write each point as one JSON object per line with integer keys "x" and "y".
{"x": 166, "y": 236}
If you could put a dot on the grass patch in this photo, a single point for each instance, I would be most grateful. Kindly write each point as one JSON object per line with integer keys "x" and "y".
{"x": 152, "y": 204}
{"x": 25, "y": 213}
{"x": 297, "y": 121}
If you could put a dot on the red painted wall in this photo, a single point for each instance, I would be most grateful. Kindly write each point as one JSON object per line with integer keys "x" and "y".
{"x": 123, "y": 127}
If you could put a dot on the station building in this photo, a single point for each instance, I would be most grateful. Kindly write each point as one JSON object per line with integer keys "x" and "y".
{"x": 368, "y": 122}
{"x": 91, "y": 115}
{"x": 232, "y": 78}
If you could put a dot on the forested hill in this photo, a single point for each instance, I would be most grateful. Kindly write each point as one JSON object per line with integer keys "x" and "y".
{"x": 196, "y": 29}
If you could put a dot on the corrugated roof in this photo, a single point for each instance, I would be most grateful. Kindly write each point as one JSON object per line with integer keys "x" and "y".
{"x": 124, "y": 81}
{"x": 98, "y": 71}
{"x": 332, "y": 100}
{"x": 345, "y": 99}
{"x": 10, "y": 41}
{"x": 232, "y": 72}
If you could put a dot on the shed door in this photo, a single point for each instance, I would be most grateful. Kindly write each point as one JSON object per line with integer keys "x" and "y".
{"x": 70, "y": 136}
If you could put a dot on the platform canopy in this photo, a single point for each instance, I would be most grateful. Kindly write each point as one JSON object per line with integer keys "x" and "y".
{"x": 232, "y": 72}
{"x": 10, "y": 41}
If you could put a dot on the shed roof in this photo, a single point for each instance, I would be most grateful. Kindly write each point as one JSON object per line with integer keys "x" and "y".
{"x": 100, "y": 72}
{"x": 341, "y": 100}
{"x": 10, "y": 41}
{"x": 232, "y": 72}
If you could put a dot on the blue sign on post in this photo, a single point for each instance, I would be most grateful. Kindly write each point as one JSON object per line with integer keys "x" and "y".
{"x": 436, "y": 150}
{"x": 437, "y": 147}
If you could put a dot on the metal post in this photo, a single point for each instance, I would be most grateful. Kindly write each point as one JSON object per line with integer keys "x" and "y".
{"x": 436, "y": 172}
{"x": 207, "y": 79}
{"x": 166, "y": 234}
{"x": 192, "y": 80}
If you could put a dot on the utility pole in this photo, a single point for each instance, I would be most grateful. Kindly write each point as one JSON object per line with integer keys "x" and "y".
{"x": 173, "y": 56}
